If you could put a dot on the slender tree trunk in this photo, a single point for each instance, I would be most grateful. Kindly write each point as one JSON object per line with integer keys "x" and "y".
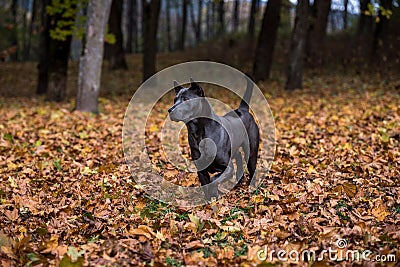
{"x": 59, "y": 56}
{"x": 236, "y": 15}
{"x": 297, "y": 46}
{"x": 213, "y": 12}
{"x": 345, "y": 14}
{"x": 252, "y": 18}
{"x": 131, "y": 9}
{"x": 258, "y": 6}
{"x": 178, "y": 17}
{"x": 332, "y": 22}
{"x": 44, "y": 50}
{"x": 132, "y": 38}
{"x": 365, "y": 23}
{"x": 32, "y": 22}
{"x": 221, "y": 17}
{"x": 91, "y": 61}
{"x": 182, "y": 39}
{"x": 24, "y": 44}
{"x": 58, "y": 68}
{"x": 199, "y": 21}
{"x": 151, "y": 11}
{"x": 82, "y": 9}
{"x": 168, "y": 15}
{"x": 208, "y": 20}
{"x": 196, "y": 25}
{"x": 193, "y": 18}
{"x": 382, "y": 27}
{"x": 115, "y": 52}
{"x": 135, "y": 26}
{"x": 318, "y": 30}
{"x": 267, "y": 40}
{"x": 14, "y": 35}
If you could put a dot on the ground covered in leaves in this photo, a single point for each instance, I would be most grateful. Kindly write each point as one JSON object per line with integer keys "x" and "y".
{"x": 66, "y": 196}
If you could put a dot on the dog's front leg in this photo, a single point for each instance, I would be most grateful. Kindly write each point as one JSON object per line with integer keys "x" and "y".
{"x": 223, "y": 181}
{"x": 210, "y": 189}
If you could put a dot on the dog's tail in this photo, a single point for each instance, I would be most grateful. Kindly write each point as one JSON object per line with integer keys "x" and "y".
{"x": 244, "y": 104}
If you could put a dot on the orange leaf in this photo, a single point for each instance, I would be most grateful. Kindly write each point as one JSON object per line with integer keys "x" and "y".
{"x": 350, "y": 189}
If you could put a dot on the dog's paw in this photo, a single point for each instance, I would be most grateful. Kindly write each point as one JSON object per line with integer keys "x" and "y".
{"x": 240, "y": 180}
{"x": 211, "y": 193}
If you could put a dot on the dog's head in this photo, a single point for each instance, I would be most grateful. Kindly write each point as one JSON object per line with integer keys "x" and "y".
{"x": 187, "y": 102}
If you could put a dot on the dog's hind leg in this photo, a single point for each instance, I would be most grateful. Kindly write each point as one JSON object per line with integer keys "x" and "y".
{"x": 239, "y": 167}
{"x": 253, "y": 156}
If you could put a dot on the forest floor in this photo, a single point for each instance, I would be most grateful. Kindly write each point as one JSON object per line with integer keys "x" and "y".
{"x": 67, "y": 197}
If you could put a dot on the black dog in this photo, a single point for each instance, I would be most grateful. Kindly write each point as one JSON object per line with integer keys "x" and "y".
{"x": 215, "y": 140}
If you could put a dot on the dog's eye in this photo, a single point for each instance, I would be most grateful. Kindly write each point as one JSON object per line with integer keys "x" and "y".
{"x": 185, "y": 99}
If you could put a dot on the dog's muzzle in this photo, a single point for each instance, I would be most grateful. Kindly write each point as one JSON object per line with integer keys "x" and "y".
{"x": 171, "y": 109}
{"x": 174, "y": 114}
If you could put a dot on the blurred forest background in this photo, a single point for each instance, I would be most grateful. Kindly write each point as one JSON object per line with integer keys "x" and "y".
{"x": 330, "y": 70}
{"x": 44, "y": 40}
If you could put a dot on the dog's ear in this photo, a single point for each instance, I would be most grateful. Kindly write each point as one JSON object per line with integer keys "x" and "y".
{"x": 196, "y": 87}
{"x": 177, "y": 87}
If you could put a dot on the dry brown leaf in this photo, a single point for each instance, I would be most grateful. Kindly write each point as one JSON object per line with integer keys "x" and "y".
{"x": 379, "y": 211}
{"x": 350, "y": 189}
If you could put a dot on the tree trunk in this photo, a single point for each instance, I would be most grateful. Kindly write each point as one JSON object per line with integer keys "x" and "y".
{"x": 221, "y": 19}
{"x": 129, "y": 26}
{"x": 58, "y": 68}
{"x": 150, "y": 15}
{"x": 345, "y": 14}
{"x": 135, "y": 21}
{"x": 115, "y": 52}
{"x": 208, "y": 20}
{"x": 318, "y": 30}
{"x": 29, "y": 44}
{"x": 182, "y": 39}
{"x": 91, "y": 61}
{"x": 365, "y": 23}
{"x": 199, "y": 21}
{"x": 24, "y": 44}
{"x": 266, "y": 40}
{"x": 44, "y": 53}
{"x": 213, "y": 15}
{"x": 131, "y": 39}
{"x": 196, "y": 25}
{"x": 59, "y": 56}
{"x": 236, "y": 16}
{"x": 14, "y": 35}
{"x": 382, "y": 27}
{"x": 82, "y": 9}
{"x": 252, "y": 18}
{"x": 168, "y": 17}
{"x": 297, "y": 46}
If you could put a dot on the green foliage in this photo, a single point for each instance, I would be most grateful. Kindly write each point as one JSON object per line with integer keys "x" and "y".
{"x": 207, "y": 252}
{"x": 172, "y": 262}
{"x": 241, "y": 251}
{"x": 57, "y": 164}
{"x": 8, "y": 137}
{"x": 397, "y": 208}
{"x": 65, "y": 11}
{"x": 66, "y": 8}
{"x": 386, "y": 12}
{"x": 110, "y": 38}
{"x": 68, "y": 22}
{"x": 372, "y": 11}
